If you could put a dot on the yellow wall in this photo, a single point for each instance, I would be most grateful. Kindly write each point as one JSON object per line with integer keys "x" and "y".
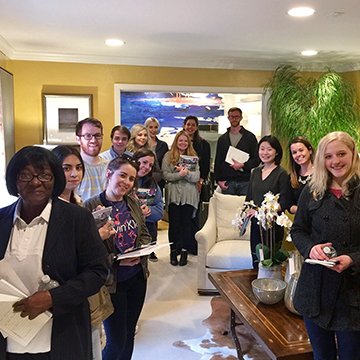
{"x": 353, "y": 77}
{"x": 32, "y": 79}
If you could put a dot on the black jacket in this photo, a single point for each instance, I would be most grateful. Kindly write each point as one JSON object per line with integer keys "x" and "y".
{"x": 202, "y": 149}
{"x": 74, "y": 255}
{"x": 247, "y": 143}
{"x": 330, "y": 299}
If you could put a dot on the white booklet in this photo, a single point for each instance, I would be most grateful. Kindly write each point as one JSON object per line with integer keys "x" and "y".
{"x": 141, "y": 251}
{"x": 22, "y": 330}
{"x": 238, "y": 155}
{"x": 327, "y": 263}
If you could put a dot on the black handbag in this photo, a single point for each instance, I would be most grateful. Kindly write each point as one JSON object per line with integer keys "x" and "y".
{"x": 205, "y": 193}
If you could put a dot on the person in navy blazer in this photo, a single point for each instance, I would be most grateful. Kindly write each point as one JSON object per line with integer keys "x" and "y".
{"x": 73, "y": 254}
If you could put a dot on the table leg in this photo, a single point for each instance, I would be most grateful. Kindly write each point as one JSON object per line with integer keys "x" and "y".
{"x": 233, "y": 325}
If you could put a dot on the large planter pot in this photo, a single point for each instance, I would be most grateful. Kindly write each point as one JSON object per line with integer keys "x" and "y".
{"x": 274, "y": 271}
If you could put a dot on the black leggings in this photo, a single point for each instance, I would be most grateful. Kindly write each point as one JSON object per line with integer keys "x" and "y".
{"x": 181, "y": 229}
{"x": 120, "y": 325}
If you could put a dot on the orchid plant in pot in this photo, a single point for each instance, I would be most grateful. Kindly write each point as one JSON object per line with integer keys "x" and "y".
{"x": 268, "y": 251}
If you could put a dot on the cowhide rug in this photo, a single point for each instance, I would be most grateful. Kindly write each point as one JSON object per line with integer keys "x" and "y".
{"x": 216, "y": 346}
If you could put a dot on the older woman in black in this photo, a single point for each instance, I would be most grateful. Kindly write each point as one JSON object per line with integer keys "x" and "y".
{"x": 41, "y": 234}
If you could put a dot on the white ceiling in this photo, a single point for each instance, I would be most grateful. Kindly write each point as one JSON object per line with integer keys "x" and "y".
{"x": 227, "y": 34}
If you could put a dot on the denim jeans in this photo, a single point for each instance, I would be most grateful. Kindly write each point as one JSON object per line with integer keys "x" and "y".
{"x": 324, "y": 345}
{"x": 236, "y": 187}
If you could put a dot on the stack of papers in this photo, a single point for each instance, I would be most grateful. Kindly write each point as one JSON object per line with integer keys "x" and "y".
{"x": 12, "y": 325}
{"x": 141, "y": 251}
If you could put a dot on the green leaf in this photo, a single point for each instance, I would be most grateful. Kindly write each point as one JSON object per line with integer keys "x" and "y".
{"x": 266, "y": 251}
{"x": 267, "y": 263}
{"x": 281, "y": 255}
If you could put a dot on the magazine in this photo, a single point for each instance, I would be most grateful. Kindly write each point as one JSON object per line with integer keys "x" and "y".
{"x": 102, "y": 216}
{"x": 146, "y": 196}
{"x": 189, "y": 162}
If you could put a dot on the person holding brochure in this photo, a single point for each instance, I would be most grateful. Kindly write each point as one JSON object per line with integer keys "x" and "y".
{"x": 152, "y": 205}
{"x": 41, "y": 234}
{"x": 328, "y": 214}
{"x": 233, "y": 179}
{"x": 181, "y": 197}
{"x": 269, "y": 176}
{"x": 129, "y": 276}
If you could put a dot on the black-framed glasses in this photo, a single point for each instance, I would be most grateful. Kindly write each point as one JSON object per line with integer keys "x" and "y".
{"x": 96, "y": 136}
{"x": 27, "y": 177}
{"x": 234, "y": 116}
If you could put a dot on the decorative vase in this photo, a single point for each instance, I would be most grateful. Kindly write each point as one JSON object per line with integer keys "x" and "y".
{"x": 291, "y": 278}
{"x": 274, "y": 271}
{"x": 290, "y": 292}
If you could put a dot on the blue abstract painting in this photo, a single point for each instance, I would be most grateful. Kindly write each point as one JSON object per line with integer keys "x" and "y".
{"x": 169, "y": 108}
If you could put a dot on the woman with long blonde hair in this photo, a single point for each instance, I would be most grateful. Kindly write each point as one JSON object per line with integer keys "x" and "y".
{"x": 139, "y": 138}
{"x": 328, "y": 215}
{"x": 181, "y": 196}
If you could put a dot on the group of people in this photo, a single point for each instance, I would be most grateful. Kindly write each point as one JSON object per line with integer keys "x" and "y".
{"x": 323, "y": 191}
{"x": 50, "y": 229}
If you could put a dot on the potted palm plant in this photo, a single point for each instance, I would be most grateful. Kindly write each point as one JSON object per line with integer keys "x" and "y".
{"x": 309, "y": 107}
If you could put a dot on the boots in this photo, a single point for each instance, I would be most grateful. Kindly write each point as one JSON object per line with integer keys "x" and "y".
{"x": 183, "y": 258}
{"x": 173, "y": 258}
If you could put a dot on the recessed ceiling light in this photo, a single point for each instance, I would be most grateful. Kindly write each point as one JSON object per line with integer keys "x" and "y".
{"x": 114, "y": 42}
{"x": 309, "y": 52}
{"x": 301, "y": 11}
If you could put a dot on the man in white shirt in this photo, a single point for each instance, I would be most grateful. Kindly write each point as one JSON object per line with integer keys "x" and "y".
{"x": 89, "y": 135}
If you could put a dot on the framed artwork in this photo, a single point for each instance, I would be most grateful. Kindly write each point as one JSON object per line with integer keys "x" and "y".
{"x": 61, "y": 114}
{"x": 171, "y": 104}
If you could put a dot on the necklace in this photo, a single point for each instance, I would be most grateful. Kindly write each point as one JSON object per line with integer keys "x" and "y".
{"x": 304, "y": 181}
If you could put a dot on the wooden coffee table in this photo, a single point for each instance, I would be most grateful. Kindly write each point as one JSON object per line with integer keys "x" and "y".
{"x": 281, "y": 333}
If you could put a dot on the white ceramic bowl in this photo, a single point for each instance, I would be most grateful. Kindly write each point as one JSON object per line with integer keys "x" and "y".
{"x": 268, "y": 290}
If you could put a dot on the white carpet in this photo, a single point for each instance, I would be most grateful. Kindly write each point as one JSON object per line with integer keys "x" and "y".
{"x": 172, "y": 310}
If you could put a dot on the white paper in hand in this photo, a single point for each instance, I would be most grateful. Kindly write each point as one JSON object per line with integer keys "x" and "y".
{"x": 238, "y": 155}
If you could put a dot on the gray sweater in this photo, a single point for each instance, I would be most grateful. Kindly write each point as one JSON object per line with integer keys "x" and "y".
{"x": 180, "y": 190}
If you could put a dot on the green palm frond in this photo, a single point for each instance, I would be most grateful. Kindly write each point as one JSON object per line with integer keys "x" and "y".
{"x": 309, "y": 107}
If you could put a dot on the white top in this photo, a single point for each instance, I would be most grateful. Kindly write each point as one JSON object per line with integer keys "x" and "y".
{"x": 24, "y": 253}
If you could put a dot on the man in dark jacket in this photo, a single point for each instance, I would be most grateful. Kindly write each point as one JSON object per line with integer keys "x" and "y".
{"x": 234, "y": 179}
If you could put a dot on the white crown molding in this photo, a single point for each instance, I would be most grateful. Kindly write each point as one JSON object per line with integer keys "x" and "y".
{"x": 6, "y": 48}
{"x": 207, "y": 63}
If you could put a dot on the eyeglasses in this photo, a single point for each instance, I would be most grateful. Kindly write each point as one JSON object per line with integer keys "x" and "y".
{"x": 88, "y": 137}
{"x": 234, "y": 116}
{"x": 27, "y": 177}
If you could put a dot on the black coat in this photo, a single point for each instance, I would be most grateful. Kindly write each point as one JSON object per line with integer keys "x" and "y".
{"x": 330, "y": 299}
{"x": 248, "y": 144}
{"x": 202, "y": 149}
{"x": 74, "y": 255}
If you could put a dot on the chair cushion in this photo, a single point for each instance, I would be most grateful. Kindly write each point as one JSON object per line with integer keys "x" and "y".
{"x": 226, "y": 207}
{"x": 230, "y": 255}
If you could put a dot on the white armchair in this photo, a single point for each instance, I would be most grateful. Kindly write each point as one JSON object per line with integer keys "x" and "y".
{"x": 219, "y": 246}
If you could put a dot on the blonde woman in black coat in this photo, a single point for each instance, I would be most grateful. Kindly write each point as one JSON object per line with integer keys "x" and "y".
{"x": 329, "y": 214}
